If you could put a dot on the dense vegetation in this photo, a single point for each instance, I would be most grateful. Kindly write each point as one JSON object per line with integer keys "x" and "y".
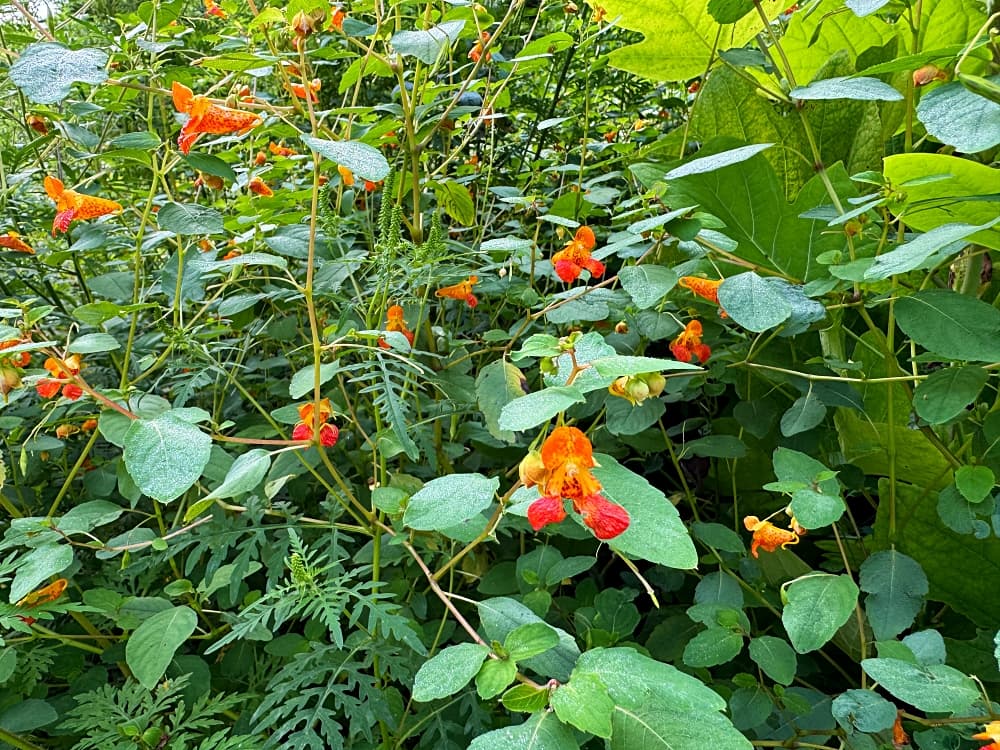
{"x": 546, "y": 375}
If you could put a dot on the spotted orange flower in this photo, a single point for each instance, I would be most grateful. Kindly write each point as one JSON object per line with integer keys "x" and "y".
{"x": 43, "y": 595}
{"x": 575, "y": 256}
{"x": 396, "y": 322}
{"x": 71, "y": 205}
{"x": 17, "y": 359}
{"x": 477, "y": 50}
{"x": 562, "y": 469}
{"x": 257, "y": 186}
{"x": 12, "y": 241}
{"x": 300, "y": 90}
{"x": 232, "y": 254}
{"x": 371, "y": 187}
{"x": 206, "y": 117}
{"x": 37, "y": 124}
{"x": 768, "y": 536}
{"x": 337, "y": 18}
{"x": 346, "y": 175}
{"x": 704, "y": 288}
{"x": 461, "y": 290}
{"x": 900, "y": 738}
{"x": 89, "y": 425}
{"x": 928, "y": 74}
{"x": 62, "y": 373}
{"x": 309, "y": 417}
{"x": 688, "y": 344}
{"x": 211, "y": 9}
{"x": 279, "y": 150}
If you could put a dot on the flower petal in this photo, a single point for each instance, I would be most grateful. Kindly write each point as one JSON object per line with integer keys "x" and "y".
{"x": 546, "y": 510}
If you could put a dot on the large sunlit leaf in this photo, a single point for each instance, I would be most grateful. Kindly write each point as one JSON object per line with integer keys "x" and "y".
{"x": 46, "y": 71}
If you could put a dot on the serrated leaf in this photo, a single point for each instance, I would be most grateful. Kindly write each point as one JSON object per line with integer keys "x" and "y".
{"x": 448, "y": 671}
{"x": 46, "y": 71}
{"x": 450, "y": 500}
{"x": 363, "y": 160}
{"x": 152, "y": 645}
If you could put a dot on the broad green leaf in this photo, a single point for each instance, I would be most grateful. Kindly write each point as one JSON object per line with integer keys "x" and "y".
{"x": 152, "y": 645}
{"x": 530, "y": 639}
{"x": 450, "y": 500}
{"x": 847, "y": 87}
{"x": 719, "y": 588}
{"x": 304, "y": 381}
{"x": 958, "y": 117}
{"x": 817, "y": 606}
{"x": 753, "y": 303}
{"x": 363, "y": 160}
{"x": 647, "y": 284}
{"x": 165, "y": 456}
{"x": 456, "y": 200}
{"x": 863, "y": 711}
{"x": 616, "y": 365}
{"x": 502, "y": 615}
{"x": 584, "y": 703}
{"x": 209, "y": 164}
{"x": 975, "y": 482}
{"x": 142, "y": 139}
{"x": 655, "y": 532}
{"x": 863, "y": 8}
{"x": 714, "y": 446}
{"x": 912, "y": 254}
{"x": 729, "y": 11}
{"x": 679, "y": 37}
{"x": 896, "y": 587}
{"x": 654, "y": 222}
{"x": 27, "y": 715}
{"x": 88, "y": 516}
{"x": 568, "y": 568}
{"x": 947, "y": 392}
{"x": 937, "y": 687}
{"x": 92, "y": 343}
{"x": 244, "y": 475}
{"x": 815, "y": 510}
{"x": 930, "y": 203}
{"x": 526, "y": 699}
{"x": 190, "y": 218}
{"x": 427, "y": 45}
{"x": 46, "y": 71}
{"x": 713, "y": 647}
{"x": 716, "y": 161}
{"x": 805, "y": 413}
{"x": 951, "y": 325}
{"x": 498, "y": 384}
{"x": 448, "y": 671}
{"x": 8, "y": 663}
{"x": 36, "y": 567}
{"x": 775, "y": 658}
{"x": 539, "y": 407}
{"x": 538, "y": 345}
{"x": 542, "y": 731}
{"x": 494, "y": 677}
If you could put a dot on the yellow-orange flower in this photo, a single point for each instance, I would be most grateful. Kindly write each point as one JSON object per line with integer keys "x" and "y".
{"x": 279, "y": 150}
{"x": 37, "y": 124}
{"x": 704, "y": 288}
{"x": 17, "y": 359}
{"x": 62, "y": 373}
{"x": 346, "y": 175}
{"x": 310, "y": 417}
{"x": 337, "y": 18}
{"x": 575, "y": 256}
{"x": 990, "y": 731}
{"x": 461, "y": 290}
{"x": 211, "y": 9}
{"x": 477, "y": 50}
{"x": 43, "y": 595}
{"x": 768, "y": 536}
{"x": 688, "y": 344}
{"x": 396, "y": 322}
{"x": 900, "y": 738}
{"x": 257, "y": 186}
{"x": 300, "y": 90}
{"x": 71, "y": 205}
{"x": 206, "y": 117}
{"x": 12, "y": 241}
{"x": 928, "y": 74}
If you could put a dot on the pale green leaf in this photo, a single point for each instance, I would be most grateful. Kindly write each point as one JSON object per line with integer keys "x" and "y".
{"x": 152, "y": 645}
{"x": 46, "y": 71}
{"x": 817, "y": 606}
{"x": 448, "y": 671}
{"x": 165, "y": 456}
{"x": 450, "y": 500}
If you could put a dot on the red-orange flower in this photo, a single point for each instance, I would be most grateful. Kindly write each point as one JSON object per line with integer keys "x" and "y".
{"x": 71, "y": 205}
{"x": 309, "y": 417}
{"x": 300, "y": 90}
{"x": 768, "y": 536}
{"x": 257, "y": 186}
{"x": 211, "y": 9}
{"x": 37, "y": 124}
{"x": 206, "y": 117}
{"x": 928, "y": 74}
{"x": 337, "y": 18}
{"x": 990, "y": 731}
{"x": 12, "y": 241}
{"x": 279, "y": 150}
{"x": 43, "y": 595}
{"x": 461, "y": 290}
{"x": 688, "y": 344}
{"x": 704, "y": 288}
{"x": 567, "y": 458}
{"x": 17, "y": 359}
{"x": 209, "y": 180}
{"x": 61, "y": 372}
{"x": 477, "y": 50}
{"x": 575, "y": 256}
{"x": 900, "y": 738}
{"x": 396, "y": 322}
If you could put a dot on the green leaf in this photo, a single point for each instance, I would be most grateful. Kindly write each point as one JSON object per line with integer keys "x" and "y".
{"x": 530, "y": 639}
{"x": 975, "y": 482}
{"x": 46, "y": 71}
{"x": 714, "y": 446}
{"x": 525, "y": 699}
{"x": 498, "y": 384}
{"x": 538, "y": 408}
{"x": 951, "y": 325}
{"x": 363, "y": 160}
{"x": 92, "y": 343}
{"x": 848, "y": 87}
{"x": 450, "y": 500}
{"x": 716, "y": 161}
{"x": 753, "y": 303}
{"x": 501, "y": 615}
{"x": 818, "y": 605}
{"x": 427, "y": 45}
{"x": 494, "y": 677}
{"x": 543, "y": 731}
{"x": 655, "y": 532}
{"x": 616, "y": 365}
{"x": 89, "y": 516}
{"x": 647, "y": 284}
{"x": 896, "y": 586}
{"x": 244, "y": 475}
{"x": 143, "y": 139}
{"x": 815, "y": 510}
{"x": 584, "y": 703}
{"x": 456, "y": 200}
{"x": 729, "y": 11}
{"x": 165, "y": 456}
{"x": 912, "y": 254}
{"x": 807, "y": 412}
{"x": 863, "y": 711}
{"x": 8, "y": 663}
{"x": 713, "y": 647}
{"x": 152, "y": 645}
{"x": 27, "y": 715}
{"x": 448, "y": 671}
{"x": 947, "y": 392}
{"x": 775, "y": 658}
{"x": 38, "y": 566}
{"x": 209, "y": 164}
{"x": 936, "y": 688}
{"x": 538, "y": 345}
{"x": 304, "y": 380}
{"x": 960, "y": 118}
{"x": 187, "y": 219}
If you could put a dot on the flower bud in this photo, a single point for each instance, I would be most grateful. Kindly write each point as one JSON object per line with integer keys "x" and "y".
{"x": 531, "y": 470}
{"x": 656, "y": 383}
{"x": 637, "y": 391}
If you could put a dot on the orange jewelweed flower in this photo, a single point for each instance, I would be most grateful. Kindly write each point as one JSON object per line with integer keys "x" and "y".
{"x": 308, "y": 418}
{"x": 211, "y": 9}
{"x": 89, "y": 425}
{"x": 43, "y": 595}
{"x": 37, "y": 124}
{"x": 209, "y": 180}
{"x": 575, "y": 256}
{"x": 768, "y": 536}
{"x": 990, "y": 731}
{"x": 688, "y": 344}
{"x": 346, "y": 175}
{"x": 928, "y": 74}
{"x": 206, "y": 117}
{"x": 704, "y": 288}
{"x": 257, "y": 186}
{"x": 395, "y": 322}
{"x": 477, "y": 50}
{"x": 232, "y": 254}
{"x": 899, "y": 736}
{"x": 63, "y": 431}
{"x": 300, "y": 90}
{"x": 371, "y": 187}
{"x": 461, "y": 290}
{"x": 61, "y": 373}
{"x": 71, "y": 205}
{"x": 17, "y": 359}
{"x": 337, "y": 18}
{"x": 12, "y": 241}
{"x": 279, "y": 150}
{"x": 599, "y": 14}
